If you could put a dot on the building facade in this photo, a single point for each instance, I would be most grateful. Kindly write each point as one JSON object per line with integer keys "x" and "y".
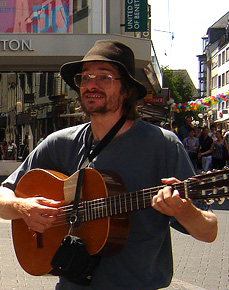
{"x": 214, "y": 70}
{"x": 37, "y": 37}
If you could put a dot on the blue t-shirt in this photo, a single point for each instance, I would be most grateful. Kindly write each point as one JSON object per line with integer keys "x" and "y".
{"x": 141, "y": 156}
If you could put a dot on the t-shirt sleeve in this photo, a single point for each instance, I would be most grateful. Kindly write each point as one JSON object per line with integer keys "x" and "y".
{"x": 179, "y": 165}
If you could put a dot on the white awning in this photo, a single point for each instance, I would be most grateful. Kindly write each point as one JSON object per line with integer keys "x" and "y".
{"x": 223, "y": 119}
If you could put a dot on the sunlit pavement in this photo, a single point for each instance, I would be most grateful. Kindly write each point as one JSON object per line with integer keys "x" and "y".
{"x": 197, "y": 265}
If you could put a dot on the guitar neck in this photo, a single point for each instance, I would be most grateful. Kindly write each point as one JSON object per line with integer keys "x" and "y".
{"x": 117, "y": 204}
{"x": 201, "y": 187}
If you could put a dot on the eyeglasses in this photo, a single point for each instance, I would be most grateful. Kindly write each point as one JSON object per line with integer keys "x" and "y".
{"x": 103, "y": 81}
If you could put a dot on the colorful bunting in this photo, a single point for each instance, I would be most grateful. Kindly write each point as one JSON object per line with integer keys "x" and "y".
{"x": 200, "y": 103}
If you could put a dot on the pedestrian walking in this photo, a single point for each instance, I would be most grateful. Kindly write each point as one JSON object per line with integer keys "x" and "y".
{"x": 220, "y": 151}
{"x": 205, "y": 149}
{"x": 10, "y": 151}
{"x": 191, "y": 144}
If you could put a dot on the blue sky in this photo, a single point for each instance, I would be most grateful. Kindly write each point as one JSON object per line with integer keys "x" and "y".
{"x": 188, "y": 21}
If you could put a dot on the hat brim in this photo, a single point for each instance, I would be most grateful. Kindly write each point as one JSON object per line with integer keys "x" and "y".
{"x": 70, "y": 69}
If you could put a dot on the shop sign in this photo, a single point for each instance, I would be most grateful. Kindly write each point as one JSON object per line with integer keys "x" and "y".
{"x": 15, "y": 45}
{"x": 33, "y": 16}
{"x": 136, "y": 16}
{"x": 154, "y": 100}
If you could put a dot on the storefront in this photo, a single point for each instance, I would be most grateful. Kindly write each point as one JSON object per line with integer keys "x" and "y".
{"x": 32, "y": 86}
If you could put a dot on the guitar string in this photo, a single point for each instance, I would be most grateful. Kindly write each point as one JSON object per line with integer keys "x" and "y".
{"x": 100, "y": 207}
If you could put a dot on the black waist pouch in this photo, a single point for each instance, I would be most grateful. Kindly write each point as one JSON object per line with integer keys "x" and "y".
{"x": 73, "y": 262}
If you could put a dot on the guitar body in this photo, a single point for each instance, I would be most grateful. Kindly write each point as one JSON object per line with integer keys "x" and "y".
{"x": 102, "y": 213}
{"x": 103, "y": 236}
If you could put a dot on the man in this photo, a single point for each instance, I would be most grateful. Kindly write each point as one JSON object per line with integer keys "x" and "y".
{"x": 212, "y": 132}
{"x": 183, "y": 132}
{"x": 142, "y": 154}
{"x": 191, "y": 144}
{"x": 205, "y": 149}
{"x": 10, "y": 151}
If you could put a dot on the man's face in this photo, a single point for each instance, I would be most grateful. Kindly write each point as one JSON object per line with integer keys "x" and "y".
{"x": 188, "y": 121}
{"x": 96, "y": 99}
{"x": 206, "y": 131}
{"x": 191, "y": 133}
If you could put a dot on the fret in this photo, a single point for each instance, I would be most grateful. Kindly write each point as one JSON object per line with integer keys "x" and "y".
{"x": 85, "y": 212}
{"x": 150, "y": 194}
{"x": 92, "y": 209}
{"x": 110, "y": 206}
{"x": 120, "y": 204}
{"x": 143, "y": 197}
{"x": 106, "y": 207}
{"x": 103, "y": 204}
{"x": 115, "y": 207}
{"x": 98, "y": 207}
{"x": 88, "y": 211}
{"x": 137, "y": 204}
{"x": 101, "y": 207}
{"x": 131, "y": 202}
{"x": 125, "y": 203}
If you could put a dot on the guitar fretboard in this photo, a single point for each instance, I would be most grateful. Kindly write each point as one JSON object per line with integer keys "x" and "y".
{"x": 129, "y": 202}
{"x": 117, "y": 204}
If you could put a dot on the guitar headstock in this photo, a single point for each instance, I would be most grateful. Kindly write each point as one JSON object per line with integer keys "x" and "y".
{"x": 209, "y": 187}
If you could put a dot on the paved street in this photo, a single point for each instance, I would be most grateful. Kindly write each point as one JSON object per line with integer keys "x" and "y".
{"x": 198, "y": 266}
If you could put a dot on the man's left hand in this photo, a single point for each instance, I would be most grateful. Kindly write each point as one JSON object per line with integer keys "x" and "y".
{"x": 169, "y": 202}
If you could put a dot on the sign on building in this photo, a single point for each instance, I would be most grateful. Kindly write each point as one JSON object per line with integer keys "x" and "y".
{"x": 150, "y": 99}
{"x": 136, "y": 16}
{"x": 36, "y": 16}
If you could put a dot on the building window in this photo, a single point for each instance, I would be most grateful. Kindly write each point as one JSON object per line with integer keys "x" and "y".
{"x": 42, "y": 85}
{"x": 227, "y": 77}
{"x": 227, "y": 54}
{"x": 223, "y": 57}
{"x": 214, "y": 82}
{"x": 214, "y": 62}
{"x": 219, "y": 81}
{"x": 50, "y": 87}
{"x": 219, "y": 60}
{"x": 223, "y": 80}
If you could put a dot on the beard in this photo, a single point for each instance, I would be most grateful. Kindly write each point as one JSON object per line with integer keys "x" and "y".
{"x": 92, "y": 107}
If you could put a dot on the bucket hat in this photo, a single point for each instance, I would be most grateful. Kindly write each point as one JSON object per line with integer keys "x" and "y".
{"x": 110, "y": 51}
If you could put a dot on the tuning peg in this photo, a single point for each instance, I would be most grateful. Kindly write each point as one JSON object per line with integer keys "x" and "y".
{"x": 221, "y": 200}
{"x": 209, "y": 201}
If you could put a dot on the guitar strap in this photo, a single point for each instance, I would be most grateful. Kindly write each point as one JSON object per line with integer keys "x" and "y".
{"x": 72, "y": 260}
{"x": 88, "y": 157}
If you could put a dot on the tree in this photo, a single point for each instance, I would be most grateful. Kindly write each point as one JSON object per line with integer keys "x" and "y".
{"x": 181, "y": 90}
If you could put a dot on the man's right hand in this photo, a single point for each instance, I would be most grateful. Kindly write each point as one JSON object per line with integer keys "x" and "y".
{"x": 39, "y": 213}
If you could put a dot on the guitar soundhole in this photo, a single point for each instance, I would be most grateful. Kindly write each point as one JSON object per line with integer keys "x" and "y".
{"x": 78, "y": 224}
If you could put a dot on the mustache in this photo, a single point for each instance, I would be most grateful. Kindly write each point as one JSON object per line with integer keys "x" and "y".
{"x": 92, "y": 92}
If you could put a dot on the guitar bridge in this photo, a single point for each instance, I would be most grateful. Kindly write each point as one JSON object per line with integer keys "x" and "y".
{"x": 39, "y": 239}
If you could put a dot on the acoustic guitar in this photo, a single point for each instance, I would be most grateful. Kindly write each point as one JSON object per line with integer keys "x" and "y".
{"x": 102, "y": 219}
